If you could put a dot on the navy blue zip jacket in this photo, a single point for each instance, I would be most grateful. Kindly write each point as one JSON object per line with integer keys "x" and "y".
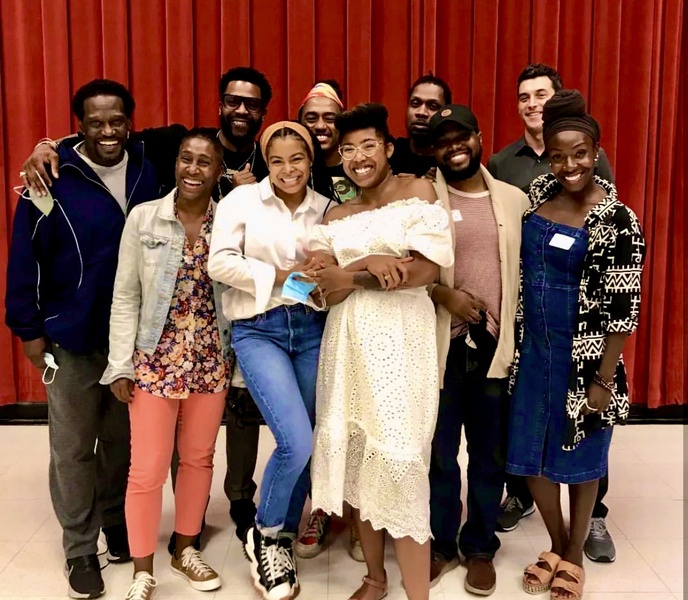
{"x": 61, "y": 270}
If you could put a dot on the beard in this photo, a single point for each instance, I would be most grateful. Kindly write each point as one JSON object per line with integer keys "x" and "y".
{"x": 453, "y": 174}
{"x": 242, "y": 139}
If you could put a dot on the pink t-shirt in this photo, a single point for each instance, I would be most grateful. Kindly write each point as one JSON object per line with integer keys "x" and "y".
{"x": 477, "y": 264}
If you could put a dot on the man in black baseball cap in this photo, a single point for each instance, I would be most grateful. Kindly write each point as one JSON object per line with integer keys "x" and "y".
{"x": 476, "y": 306}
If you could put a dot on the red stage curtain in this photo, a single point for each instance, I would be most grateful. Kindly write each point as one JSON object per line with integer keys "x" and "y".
{"x": 624, "y": 56}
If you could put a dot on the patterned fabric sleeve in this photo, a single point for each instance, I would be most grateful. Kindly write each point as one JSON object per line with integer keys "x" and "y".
{"x": 427, "y": 232}
{"x": 622, "y": 279}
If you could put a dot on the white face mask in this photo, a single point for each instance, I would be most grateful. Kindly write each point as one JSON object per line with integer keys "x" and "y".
{"x": 50, "y": 364}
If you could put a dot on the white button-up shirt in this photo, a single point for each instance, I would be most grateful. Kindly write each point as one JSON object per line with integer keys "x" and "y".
{"x": 254, "y": 234}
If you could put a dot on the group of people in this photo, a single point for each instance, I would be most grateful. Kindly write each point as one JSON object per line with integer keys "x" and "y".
{"x": 364, "y": 297}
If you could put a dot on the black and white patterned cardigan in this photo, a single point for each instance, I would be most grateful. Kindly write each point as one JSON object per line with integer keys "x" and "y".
{"x": 608, "y": 302}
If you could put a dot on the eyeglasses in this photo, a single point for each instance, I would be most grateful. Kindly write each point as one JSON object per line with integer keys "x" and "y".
{"x": 232, "y": 102}
{"x": 348, "y": 151}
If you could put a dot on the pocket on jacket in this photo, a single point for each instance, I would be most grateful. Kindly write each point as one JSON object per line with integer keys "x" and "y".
{"x": 152, "y": 246}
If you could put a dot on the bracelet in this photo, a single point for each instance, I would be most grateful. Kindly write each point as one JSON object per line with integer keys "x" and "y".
{"x": 602, "y": 382}
{"x": 52, "y": 143}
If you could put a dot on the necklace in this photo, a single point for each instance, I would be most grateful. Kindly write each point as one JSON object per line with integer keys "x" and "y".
{"x": 229, "y": 173}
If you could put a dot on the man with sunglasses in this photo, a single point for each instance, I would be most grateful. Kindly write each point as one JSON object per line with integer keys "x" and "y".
{"x": 244, "y": 95}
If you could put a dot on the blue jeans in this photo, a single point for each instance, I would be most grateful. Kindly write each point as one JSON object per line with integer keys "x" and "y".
{"x": 480, "y": 404}
{"x": 278, "y": 352}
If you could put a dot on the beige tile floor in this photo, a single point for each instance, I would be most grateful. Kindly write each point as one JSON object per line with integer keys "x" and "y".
{"x": 646, "y": 501}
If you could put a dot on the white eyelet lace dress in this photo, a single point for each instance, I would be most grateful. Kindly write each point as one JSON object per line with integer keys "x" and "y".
{"x": 378, "y": 389}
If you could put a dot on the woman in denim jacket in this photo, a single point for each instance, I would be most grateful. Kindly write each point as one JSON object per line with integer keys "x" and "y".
{"x": 259, "y": 241}
{"x": 168, "y": 360}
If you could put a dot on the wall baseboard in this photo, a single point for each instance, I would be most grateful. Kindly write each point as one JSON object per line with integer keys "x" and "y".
{"x": 37, "y": 414}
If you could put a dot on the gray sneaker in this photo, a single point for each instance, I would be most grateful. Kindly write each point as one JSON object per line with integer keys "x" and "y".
{"x": 599, "y": 545}
{"x": 512, "y": 512}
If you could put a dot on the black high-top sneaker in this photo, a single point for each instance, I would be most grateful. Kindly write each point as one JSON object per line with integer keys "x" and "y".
{"x": 271, "y": 567}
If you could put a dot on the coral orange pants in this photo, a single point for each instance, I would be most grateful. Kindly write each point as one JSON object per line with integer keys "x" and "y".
{"x": 154, "y": 422}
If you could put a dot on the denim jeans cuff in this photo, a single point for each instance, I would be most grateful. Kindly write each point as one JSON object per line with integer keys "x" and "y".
{"x": 271, "y": 532}
{"x": 485, "y": 555}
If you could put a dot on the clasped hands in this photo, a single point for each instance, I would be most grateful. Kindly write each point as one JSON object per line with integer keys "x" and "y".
{"x": 323, "y": 269}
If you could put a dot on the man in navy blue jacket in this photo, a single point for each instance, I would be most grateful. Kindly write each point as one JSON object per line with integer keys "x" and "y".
{"x": 60, "y": 280}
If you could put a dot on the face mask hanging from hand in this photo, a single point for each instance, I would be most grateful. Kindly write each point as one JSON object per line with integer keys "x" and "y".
{"x": 50, "y": 364}
{"x": 296, "y": 290}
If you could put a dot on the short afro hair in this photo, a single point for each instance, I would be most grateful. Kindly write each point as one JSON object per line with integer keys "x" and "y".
{"x": 205, "y": 133}
{"x": 247, "y": 74}
{"x": 434, "y": 80}
{"x": 540, "y": 70}
{"x": 102, "y": 87}
{"x": 363, "y": 116}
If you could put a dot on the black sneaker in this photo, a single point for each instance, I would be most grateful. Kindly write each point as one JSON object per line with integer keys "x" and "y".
{"x": 286, "y": 542}
{"x": 171, "y": 545}
{"x": 117, "y": 544}
{"x": 271, "y": 566}
{"x": 85, "y": 579}
{"x": 512, "y": 512}
{"x": 243, "y": 513}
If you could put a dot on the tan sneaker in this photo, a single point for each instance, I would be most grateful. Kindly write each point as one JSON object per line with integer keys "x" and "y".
{"x": 355, "y": 550}
{"x": 143, "y": 587}
{"x": 194, "y": 569}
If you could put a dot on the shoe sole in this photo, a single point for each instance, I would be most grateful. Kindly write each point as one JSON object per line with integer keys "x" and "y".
{"x": 600, "y": 559}
{"x": 250, "y": 553}
{"x": 357, "y": 555}
{"x": 72, "y": 593}
{"x": 308, "y": 551}
{"x": 526, "y": 513}
{"x": 479, "y": 591}
{"x": 117, "y": 559}
{"x": 201, "y": 586}
{"x": 450, "y": 566}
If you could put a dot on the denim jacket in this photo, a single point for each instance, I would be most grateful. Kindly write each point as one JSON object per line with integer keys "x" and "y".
{"x": 149, "y": 257}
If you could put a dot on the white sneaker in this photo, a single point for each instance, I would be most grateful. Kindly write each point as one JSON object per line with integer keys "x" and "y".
{"x": 195, "y": 570}
{"x": 143, "y": 587}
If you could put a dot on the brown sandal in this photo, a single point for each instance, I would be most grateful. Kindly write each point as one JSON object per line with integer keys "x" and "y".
{"x": 543, "y": 576}
{"x": 573, "y": 584}
{"x": 380, "y": 585}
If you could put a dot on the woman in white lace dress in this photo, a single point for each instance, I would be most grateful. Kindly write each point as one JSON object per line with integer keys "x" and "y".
{"x": 378, "y": 385}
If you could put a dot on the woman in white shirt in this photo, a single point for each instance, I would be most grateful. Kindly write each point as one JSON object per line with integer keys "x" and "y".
{"x": 260, "y": 237}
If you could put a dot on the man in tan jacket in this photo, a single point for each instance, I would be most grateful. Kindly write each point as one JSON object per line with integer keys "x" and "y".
{"x": 476, "y": 303}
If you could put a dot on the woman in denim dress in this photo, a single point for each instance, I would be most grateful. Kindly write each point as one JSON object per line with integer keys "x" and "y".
{"x": 581, "y": 260}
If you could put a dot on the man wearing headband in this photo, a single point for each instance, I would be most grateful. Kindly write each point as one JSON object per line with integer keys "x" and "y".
{"x": 317, "y": 112}
{"x": 413, "y": 155}
{"x": 519, "y": 164}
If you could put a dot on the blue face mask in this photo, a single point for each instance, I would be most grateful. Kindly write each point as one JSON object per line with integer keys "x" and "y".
{"x": 296, "y": 290}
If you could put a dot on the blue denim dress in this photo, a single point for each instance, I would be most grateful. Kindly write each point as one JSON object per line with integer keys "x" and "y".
{"x": 551, "y": 278}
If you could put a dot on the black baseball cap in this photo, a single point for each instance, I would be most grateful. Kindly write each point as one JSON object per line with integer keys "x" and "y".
{"x": 453, "y": 113}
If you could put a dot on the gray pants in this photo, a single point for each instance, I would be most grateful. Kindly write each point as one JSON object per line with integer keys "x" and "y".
{"x": 243, "y": 430}
{"x": 88, "y": 480}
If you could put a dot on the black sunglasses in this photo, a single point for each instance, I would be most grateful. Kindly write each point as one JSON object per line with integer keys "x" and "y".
{"x": 232, "y": 102}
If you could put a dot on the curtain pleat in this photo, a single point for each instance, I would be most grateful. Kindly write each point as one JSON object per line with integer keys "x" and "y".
{"x": 625, "y": 57}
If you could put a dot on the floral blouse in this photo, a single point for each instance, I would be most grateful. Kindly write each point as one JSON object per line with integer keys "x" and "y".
{"x": 188, "y": 359}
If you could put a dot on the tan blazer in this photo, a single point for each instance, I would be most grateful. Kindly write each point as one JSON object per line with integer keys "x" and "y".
{"x": 508, "y": 203}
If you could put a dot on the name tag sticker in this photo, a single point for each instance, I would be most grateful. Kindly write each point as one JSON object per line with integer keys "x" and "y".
{"x": 456, "y": 215}
{"x": 559, "y": 240}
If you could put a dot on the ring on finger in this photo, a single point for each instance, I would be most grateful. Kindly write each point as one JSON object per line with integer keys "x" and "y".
{"x": 387, "y": 277}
